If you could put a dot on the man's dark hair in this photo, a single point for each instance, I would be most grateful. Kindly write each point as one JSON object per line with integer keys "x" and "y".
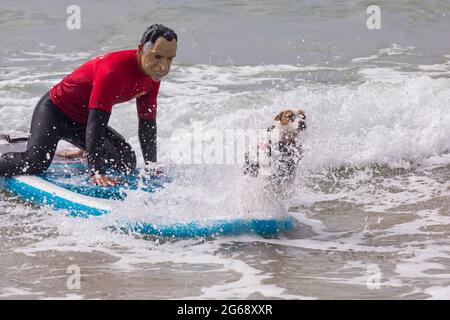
{"x": 158, "y": 30}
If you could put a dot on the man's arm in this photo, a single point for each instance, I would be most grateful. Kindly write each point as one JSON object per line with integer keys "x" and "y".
{"x": 147, "y": 139}
{"x": 106, "y": 87}
{"x": 95, "y": 137}
{"x": 146, "y": 109}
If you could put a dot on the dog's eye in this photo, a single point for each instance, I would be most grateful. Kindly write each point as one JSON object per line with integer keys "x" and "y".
{"x": 291, "y": 117}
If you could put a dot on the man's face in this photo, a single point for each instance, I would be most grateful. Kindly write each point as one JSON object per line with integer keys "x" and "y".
{"x": 156, "y": 62}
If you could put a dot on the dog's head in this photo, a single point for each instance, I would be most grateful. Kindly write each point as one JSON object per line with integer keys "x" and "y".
{"x": 293, "y": 119}
{"x": 290, "y": 124}
{"x": 289, "y": 117}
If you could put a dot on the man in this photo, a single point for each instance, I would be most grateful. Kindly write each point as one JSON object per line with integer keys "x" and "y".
{"x": 79, "y": 107}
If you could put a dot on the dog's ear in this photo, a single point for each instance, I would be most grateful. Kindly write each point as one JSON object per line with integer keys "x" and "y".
{"x": 301, "y": 113}
{"x": 278, "y": 117}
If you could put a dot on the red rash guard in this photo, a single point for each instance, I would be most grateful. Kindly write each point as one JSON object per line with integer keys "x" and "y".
{"x": 105, "y": 80}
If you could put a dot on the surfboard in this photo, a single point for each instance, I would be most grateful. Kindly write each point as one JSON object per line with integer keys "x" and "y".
{"x": 67, "y": 186}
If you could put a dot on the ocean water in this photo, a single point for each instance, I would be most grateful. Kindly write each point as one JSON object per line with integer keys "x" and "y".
{"x": 371, "y": 196}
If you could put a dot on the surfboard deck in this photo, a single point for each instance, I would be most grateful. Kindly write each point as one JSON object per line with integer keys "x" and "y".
{"x": 67, "y": 186}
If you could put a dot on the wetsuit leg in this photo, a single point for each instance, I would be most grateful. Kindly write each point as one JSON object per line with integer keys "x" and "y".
{"x": 45, "y": 132}
{"x": 118, "y": 153}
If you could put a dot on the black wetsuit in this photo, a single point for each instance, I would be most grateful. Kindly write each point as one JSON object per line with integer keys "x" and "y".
{"x": 106, "y": 147}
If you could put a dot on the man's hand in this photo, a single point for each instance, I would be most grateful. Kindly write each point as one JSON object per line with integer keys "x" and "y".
{"x": 103, "y": 180}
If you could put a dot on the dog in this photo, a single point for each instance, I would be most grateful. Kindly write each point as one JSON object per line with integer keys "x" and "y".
{"x": 282, "y": 151}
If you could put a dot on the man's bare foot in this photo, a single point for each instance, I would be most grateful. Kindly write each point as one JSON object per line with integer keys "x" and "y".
{"x": 71, "y": 153}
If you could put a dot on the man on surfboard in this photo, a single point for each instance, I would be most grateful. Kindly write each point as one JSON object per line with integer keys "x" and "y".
{"x": 78, "y": 109}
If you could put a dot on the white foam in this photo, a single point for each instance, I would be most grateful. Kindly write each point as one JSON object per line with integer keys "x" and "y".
{"x": 203, "y": 193}
{"x": 376, "y": 122}
{"x": 438, "y": 292}
{"x": 364, "y": 59}
{"x": 395, "y": 49}
{"x": 13, "y": 292}
{"x": 251, "y": 283}
{"x": 45, "y": 56}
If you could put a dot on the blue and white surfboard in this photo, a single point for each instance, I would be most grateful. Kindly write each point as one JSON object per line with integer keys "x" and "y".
{"x": 68, "y": 187}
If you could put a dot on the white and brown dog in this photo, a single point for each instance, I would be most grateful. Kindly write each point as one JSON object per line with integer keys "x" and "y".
{"x": 283, "y": 147}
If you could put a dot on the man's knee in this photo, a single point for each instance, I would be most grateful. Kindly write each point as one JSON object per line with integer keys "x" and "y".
{"x": 124, "y": 160}
{"x": 36, "y": 165}
{"x": 17, "y": 163}
{"x": 130, "y": 161}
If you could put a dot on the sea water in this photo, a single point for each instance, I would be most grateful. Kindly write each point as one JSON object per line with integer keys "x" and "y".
{"x": 371, "y": 196}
